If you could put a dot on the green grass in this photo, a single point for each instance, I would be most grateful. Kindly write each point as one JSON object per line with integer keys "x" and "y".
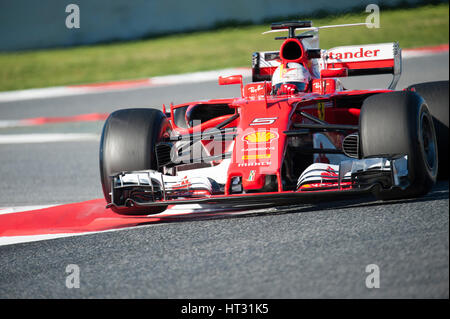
{"x": 223, "y": 48}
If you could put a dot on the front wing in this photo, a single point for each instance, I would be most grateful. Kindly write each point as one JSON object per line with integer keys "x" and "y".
{"x": 317, "y": 183}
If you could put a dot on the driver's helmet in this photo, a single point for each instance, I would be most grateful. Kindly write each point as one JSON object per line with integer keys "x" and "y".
{"x": 290, "y": 79}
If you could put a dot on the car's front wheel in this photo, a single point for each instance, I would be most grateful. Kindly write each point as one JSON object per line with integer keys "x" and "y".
{"x": 128, "y": 144}
{"x": 399, "y": 123}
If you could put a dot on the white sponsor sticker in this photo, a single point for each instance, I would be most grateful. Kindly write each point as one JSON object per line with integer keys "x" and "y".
{"x": 356, "y": 53}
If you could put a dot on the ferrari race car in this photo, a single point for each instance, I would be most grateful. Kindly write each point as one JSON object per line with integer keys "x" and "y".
{"x": 295, "y": 135}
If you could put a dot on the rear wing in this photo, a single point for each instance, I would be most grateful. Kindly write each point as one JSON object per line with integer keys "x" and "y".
{"x": 368, "y": 59}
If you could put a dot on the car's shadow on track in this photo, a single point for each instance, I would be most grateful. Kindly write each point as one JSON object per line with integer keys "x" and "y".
{"x": 439, "y": 192}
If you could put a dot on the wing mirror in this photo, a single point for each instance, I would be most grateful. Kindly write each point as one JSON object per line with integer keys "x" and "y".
{"x": 232, "y": 79}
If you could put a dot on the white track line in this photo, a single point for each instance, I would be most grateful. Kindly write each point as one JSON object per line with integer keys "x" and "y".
{"x": 10, "y": 123}
{"x": 199, "y": 76}
{"x": 40, "y": 93}
{"x": 408, "y": 54}
{"x": 10, "y": 240}
{"x": 21, "y": 209}
{"x": 47, "y": 138}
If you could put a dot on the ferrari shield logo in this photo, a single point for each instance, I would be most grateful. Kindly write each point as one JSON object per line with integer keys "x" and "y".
{"x": 260, "y": 137}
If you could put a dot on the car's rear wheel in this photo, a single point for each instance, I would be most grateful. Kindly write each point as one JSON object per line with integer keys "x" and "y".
{"x": 395, "y": 124}
{"x": 128, "y": 144}
{"x": 435, "y": 95}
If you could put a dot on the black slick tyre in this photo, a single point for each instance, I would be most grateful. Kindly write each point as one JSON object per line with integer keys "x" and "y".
{"x": 128, "y": 143}
{"x": 435, "y": 95}
{"x": 395, "y": 124}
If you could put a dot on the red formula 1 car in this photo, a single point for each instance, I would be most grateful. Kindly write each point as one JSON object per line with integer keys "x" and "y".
{"x": 295, "y": 135}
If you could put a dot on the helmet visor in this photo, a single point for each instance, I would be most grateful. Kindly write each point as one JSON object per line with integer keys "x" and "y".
{"x": 300, "y": 87}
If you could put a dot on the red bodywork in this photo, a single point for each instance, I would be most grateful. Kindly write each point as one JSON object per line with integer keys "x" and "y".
{"x": 284, "y": 111}
{"x": 260, "y": 155}
{"x": 269, "y": 116}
